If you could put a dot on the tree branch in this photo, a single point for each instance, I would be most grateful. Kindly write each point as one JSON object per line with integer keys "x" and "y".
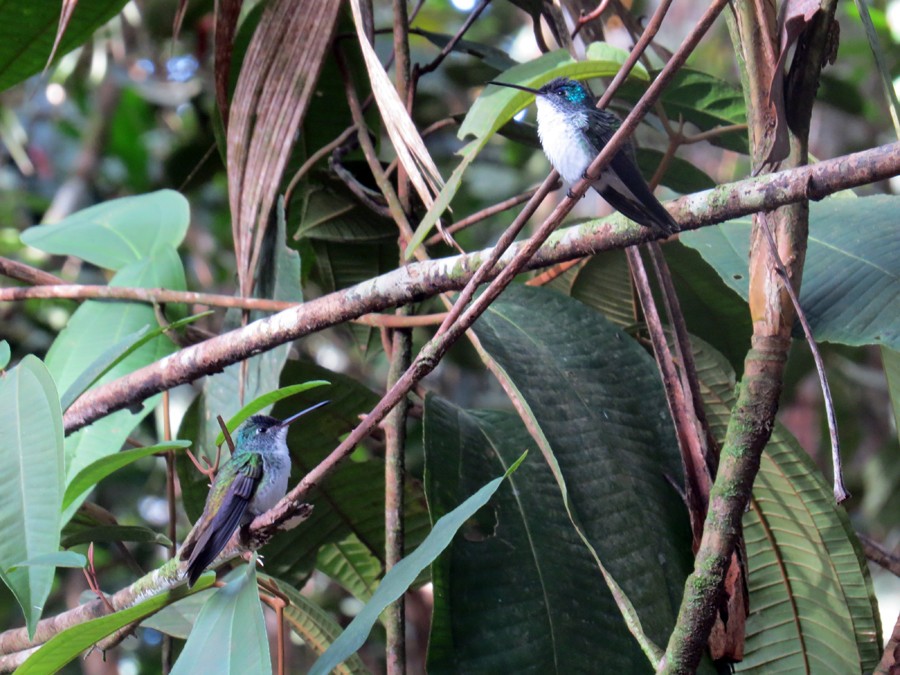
{"x": 422, "y": 280}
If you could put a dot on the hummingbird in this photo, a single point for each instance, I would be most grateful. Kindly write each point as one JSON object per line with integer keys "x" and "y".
{"x": 573, "y": 132}
{"x": 251, "y": 482}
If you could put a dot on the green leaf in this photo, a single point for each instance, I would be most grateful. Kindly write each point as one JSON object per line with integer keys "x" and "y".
{"x": 114, "y": 533}
{"x": 497, "y": 105}
{"x": 403, "y": 574}
{"x": 96, "y": 471}
{"x": 850, "y": 285}
{"x": 229, "y": 635}
{"x": 265, "y": 401}
{"x": 31, "y": 482}
{"x": 594, "y": 403}
{"x": 5, "y": 354}
{"x": 314, "y": 625}
{"x": 52, "y": 560}
{"x": 811, "y": 599}
{"x": 178, "y": 618}
{"x": 118, "y": 232}
{"x": 28, "y": 30}
{"x": 884, "y": 69}
{"x": 66, "y": 646}
{"x": 330, "y": 212}
{"x": 94, "y": 328}
{"x": 891, "y": 361}
{"x": 105, "y": 361}
{"x": 703, "y": 100}
{"x": 520, "y": 552}
{"x": 353, "y": 565}
{"x": 115, "y": 354}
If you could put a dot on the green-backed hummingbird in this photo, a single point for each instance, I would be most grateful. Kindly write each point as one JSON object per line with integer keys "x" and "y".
{"x": 573, "y": 132}
{"x": 251, "y": 482}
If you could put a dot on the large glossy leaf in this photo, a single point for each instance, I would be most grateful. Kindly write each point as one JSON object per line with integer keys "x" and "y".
{"x": 31, "y": 482}
{"x": 66, "y": 646}
{"x": 28, "y": 29}
{"x": 352, "y": 564}
{"x": 497, "y": 105}
{"x": 812, "y": 608}
{"x": 517, "y": 587}
{"x": 596, "y": 405}
{"x": 851, "y": 284}
{"x": 314, "y": 625}
{"x": 118, "y": 232}
{"x": 404, "y": 573}
{"x": 229, "y": 635}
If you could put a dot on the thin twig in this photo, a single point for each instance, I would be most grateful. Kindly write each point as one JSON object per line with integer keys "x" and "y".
{"x": 473, "y": 15}
{"x": 840, "y": 492}
{"x": 879, "y": 555}
{"x": 27, "y": 274}
{"x": 586, "y": 18}
{"x": 484, "y": 214}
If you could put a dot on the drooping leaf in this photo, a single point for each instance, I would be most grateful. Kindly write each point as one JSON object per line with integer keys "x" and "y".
{"x": 31, "y": 482}
{"x": 861, "y": 305}
{"x": 517, "y": 585}
{"x": 96, "y": 471}
{"x": 229, "y": 635}
{"x": 812, "y": 608}
{"x": 314, "y": 625}
{"x": 66, "y": 646}
{"x": 404, "y": 573}
{"x": 497, "y": 105}
{"x": 28, "y": 31}
{"x": 266, "y": 111}
{"x": 119, "y": 232}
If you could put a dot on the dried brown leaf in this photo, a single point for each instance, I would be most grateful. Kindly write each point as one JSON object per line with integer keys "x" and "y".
{"x": 227, "y": 13}
{"x": 65, "y": 15}
{"x": 179, "y": 19}
{"x": 407, "y": 142}
{"x": 272, "y": 95}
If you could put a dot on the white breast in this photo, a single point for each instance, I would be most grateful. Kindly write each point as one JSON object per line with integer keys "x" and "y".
{"x": 562, "y": 141}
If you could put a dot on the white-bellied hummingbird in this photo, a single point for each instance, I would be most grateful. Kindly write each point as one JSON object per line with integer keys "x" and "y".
{"x": 251, "y": 482}
{"x": 573, "y": 132}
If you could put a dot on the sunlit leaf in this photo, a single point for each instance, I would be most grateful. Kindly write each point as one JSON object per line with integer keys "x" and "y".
{"x": 119, "y": 232}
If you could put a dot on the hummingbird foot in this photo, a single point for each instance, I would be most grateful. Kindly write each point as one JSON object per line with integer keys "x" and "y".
{"x": 572, "y": 195}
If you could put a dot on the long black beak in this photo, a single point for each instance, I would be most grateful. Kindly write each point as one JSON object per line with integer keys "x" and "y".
{"x": 293, "y": 417}
{"x": 516, "y": 86}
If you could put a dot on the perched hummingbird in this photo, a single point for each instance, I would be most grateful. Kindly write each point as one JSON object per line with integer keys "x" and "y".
{"x": 250, "y": 483}
{"x": 573, "y": 132}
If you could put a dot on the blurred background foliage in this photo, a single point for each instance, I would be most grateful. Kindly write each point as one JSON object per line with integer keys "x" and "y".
{"x": 132, "y": 110}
